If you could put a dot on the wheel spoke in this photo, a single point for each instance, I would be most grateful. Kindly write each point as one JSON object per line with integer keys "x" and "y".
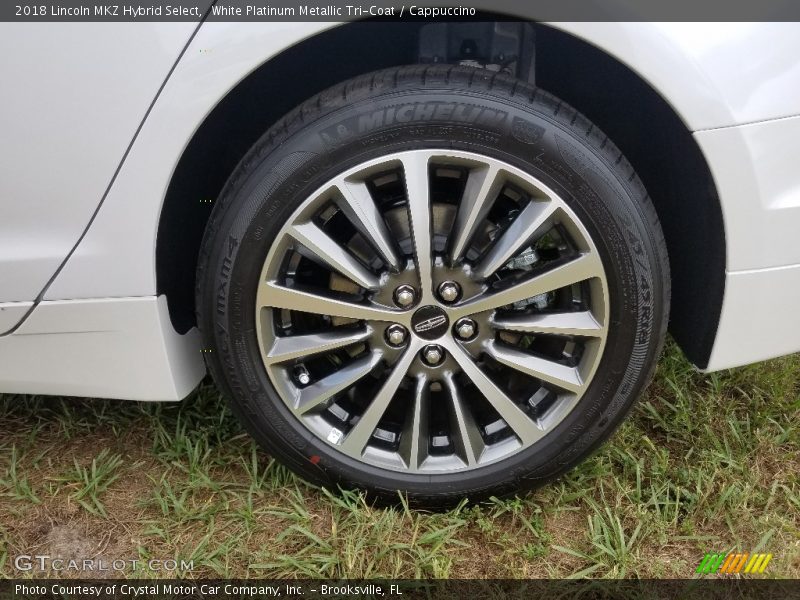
{"x": 414, "y": 439}
{"x": 357, "y": 203}
{"x": 567, "y": 378}
{"x": 327, "y": 250}
{"x": 579, "y": 269}
{"x": 468, "y": 440}
{"x": 581, "y": 324}
{"x": 482, "y": 187}
{"x": 270, "y": 294}
{"x": 520, "y": 423}
{"x": 415, "y": 170}
{"x": 532, "y": 218}
{"x": 319, "y": 394}
{"x": 359, "y": 435}
{"x": 297, "y": 346}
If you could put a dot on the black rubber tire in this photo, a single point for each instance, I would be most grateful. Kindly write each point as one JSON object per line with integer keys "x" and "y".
{"x": 516, "y": 123}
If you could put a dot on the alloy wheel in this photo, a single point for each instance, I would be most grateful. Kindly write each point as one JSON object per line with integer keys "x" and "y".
{"x": 432, "y": 311}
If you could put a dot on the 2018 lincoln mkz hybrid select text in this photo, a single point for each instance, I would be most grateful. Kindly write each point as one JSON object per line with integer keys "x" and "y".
{"x": 439, "y": 258}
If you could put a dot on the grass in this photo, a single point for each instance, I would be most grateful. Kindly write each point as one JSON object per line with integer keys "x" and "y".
{"x": 705, "y": 463}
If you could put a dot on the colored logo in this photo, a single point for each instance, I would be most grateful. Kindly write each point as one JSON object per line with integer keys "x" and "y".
{"x": 733, "y": 563}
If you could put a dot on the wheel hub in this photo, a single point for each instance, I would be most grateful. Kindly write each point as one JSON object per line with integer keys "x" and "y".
{"x": 430, "y": 322}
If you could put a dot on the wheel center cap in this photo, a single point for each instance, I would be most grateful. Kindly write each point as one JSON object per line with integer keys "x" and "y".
{"x": 430, "y": 322}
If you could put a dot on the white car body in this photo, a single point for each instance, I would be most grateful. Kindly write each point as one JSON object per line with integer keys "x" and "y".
{"x": 95, "y": 121}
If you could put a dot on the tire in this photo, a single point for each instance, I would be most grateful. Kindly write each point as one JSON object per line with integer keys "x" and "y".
{"x": 531, "y": 391}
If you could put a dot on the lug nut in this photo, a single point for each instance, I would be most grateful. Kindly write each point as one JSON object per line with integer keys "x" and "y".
{"x": 432, "y": 354}
{"x": 302, "y": 375}
{"x": 396, "y": 335}
{"x": 449, "y": 291}
{"x": 404, "y": 296}
{"x": 466, "y": 328}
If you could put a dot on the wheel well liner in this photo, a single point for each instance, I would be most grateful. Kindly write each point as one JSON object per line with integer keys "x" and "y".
{"x": 642, "y": 124}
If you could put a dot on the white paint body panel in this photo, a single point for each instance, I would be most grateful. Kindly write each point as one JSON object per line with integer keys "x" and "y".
{"x": 117, "y": 348}
{"x": 757, "y": 173}
{"x": 73, "y": 95}
{"x": 758, "y": 179}
{"x": 760, "y": 317}
{"x": 230, "y": 51}
{"x": 718, "y": 77}
{"x": 12, "y": 313}
{"x": 713, "y": 74}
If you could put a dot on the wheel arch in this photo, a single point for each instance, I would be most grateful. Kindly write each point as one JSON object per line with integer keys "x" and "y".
{"x": 647, "y": 129}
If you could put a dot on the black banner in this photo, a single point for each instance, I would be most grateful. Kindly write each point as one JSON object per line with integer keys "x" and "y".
{"x": 262, "y": 589}
{"x": 425, "y": 10}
